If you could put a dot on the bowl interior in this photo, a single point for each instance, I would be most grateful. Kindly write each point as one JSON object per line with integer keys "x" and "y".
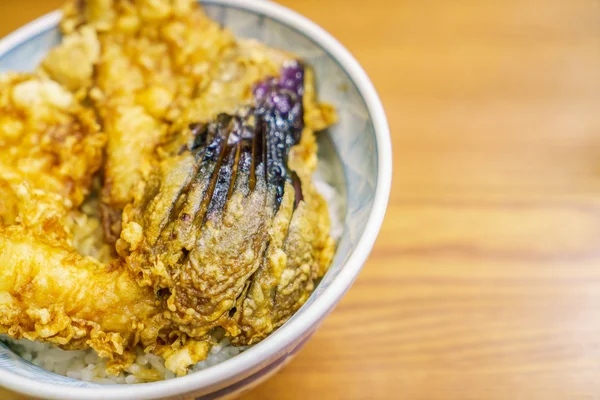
{"x": 348, "y": 152}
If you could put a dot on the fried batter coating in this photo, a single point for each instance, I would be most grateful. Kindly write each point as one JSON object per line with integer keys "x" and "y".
{"x": 46, "y": 138}
{"x": 300, "y": 249}
{"x": 210, "y": 149}
{"x": 50, "y": 292}
{"x": 151, "y": 68}
{"x": 231, "y": 231}
{"x": 50, "y": 149}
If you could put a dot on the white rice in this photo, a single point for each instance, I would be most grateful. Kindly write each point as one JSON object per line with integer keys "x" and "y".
{"x": 335, "y": 202}
{"x": 85, "y": 365}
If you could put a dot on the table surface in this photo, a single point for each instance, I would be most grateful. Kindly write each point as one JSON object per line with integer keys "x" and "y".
{"x": 485, "y": 279}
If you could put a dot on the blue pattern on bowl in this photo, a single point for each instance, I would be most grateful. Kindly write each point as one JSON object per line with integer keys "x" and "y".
{"x": 353, "y": 138}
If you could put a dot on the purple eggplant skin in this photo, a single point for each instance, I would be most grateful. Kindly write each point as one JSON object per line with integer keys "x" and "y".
{"x": 256, "y": 142}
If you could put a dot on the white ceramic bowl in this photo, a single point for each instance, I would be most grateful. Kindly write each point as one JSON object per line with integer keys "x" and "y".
{"x": 358, "y": 149}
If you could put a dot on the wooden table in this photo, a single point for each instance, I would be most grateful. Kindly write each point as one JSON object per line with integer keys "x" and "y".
{"x": 485, "y": 280}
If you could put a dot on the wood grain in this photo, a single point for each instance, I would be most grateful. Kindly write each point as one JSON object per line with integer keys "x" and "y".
{"x": 485, "y": 280}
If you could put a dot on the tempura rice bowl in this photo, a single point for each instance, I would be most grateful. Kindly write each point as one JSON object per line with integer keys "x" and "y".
{"x": 354, "y": 176}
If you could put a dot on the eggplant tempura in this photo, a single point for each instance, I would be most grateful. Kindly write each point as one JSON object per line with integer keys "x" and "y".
{"x": 205, "y": 150}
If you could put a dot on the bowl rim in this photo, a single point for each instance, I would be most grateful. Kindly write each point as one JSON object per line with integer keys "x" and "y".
{"x": 243, "y": 364}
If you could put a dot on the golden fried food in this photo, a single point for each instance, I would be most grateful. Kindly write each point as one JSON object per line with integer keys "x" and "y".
{"x": 46, "y": 138}
{"x": 51, "y": 147}
{"x": 50, "y": 292}
{"x": 206, "y": 198}
{"x": 300, "y": 249}
{"x": 150, "y": 68}
{"x": 138, "y": 62}
{"x": 231, "y": 231}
